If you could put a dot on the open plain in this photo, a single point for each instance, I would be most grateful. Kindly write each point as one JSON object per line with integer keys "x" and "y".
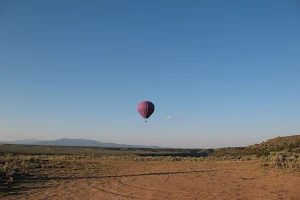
{"x": 60, "y": 177}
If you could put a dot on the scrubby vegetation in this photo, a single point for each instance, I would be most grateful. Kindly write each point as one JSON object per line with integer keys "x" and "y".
{"x": 12, "y": 167}
{"x": 281, "y": 160}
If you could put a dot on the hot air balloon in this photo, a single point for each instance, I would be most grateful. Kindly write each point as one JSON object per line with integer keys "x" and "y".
{"x": 146, "y": 108}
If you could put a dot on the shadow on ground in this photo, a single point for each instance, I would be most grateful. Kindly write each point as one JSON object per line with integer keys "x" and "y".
{"x": 120, "y": 176}
{"x": 18, "y": 186}
{"x": 22, "y": 184}
{"x": 191, "y": 153}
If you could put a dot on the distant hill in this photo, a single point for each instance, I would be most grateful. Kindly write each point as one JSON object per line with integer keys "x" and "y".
{"x": 279, "y": 142}
{"x": 288, "y": 143}
{"x": 75, "y": 142}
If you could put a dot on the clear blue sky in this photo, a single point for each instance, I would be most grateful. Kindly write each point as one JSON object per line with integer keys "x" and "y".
{"x": 79, "y": 68}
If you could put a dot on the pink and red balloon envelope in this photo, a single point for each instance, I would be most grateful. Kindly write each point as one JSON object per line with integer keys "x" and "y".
{"x": 146, "y": 108}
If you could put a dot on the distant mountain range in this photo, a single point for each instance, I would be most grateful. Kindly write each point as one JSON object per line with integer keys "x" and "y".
{"x": 75, "y": 142}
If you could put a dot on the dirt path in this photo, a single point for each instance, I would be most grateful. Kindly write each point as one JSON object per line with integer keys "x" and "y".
{"x": 173, "y": 180}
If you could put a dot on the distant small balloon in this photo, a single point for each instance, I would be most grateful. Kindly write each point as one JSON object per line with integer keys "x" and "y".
{"x": 146, "y": 108}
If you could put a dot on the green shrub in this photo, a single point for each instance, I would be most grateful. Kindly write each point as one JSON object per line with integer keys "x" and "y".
{"x": 283, "y": 159}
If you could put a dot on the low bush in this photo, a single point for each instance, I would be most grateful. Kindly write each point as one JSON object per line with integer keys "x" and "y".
{"x": 284, "y": 159}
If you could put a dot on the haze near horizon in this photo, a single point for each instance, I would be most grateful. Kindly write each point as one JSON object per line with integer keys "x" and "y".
{"x": 75, "y": 69}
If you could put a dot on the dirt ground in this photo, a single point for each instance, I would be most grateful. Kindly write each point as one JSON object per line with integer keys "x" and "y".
{"x": 122, "y": 180}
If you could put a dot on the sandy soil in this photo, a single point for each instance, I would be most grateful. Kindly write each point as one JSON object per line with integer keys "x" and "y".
{"x": 171, "y": 180}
